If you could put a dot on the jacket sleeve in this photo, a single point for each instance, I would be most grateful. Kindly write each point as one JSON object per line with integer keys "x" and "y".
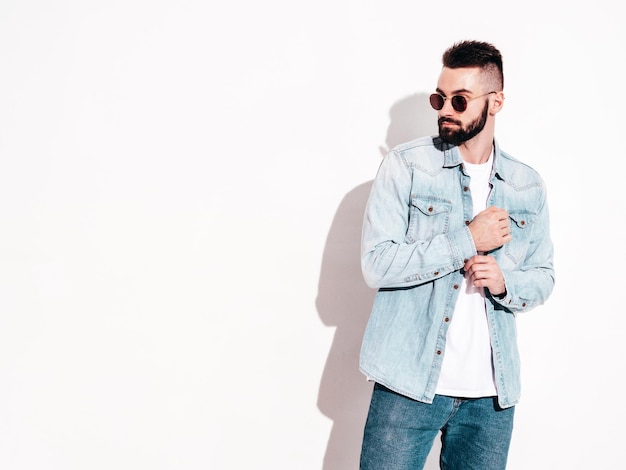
{"x": 390, "y": 256}
{"x": 530, "y": 282}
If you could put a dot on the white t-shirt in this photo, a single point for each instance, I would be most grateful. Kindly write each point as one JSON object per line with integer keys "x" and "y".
{"x": 467, "y": 369}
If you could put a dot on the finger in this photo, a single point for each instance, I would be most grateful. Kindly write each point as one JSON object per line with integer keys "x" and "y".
{"x": 480, "y": 259}
{"x": 498, "y": 211}
{"x": 472, "y": 261}
{"x": 480, "y": 271}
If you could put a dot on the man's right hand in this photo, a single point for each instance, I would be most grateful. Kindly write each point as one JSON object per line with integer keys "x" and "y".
{"x": 490, "y": 229}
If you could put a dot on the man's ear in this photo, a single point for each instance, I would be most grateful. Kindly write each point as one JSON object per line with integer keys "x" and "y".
{"x": 498, "y": 102}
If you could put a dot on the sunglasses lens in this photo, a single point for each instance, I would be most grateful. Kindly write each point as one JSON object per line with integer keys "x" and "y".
{"x": 459, "y": 103}
{"x": 436, "y": 101}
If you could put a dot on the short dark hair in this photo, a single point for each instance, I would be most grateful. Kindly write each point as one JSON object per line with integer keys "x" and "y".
{"x": 476, "y": 54}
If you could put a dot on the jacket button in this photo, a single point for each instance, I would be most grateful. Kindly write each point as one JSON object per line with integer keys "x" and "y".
{"x": 467, "y": 222}
{"x": 430, "y": 209}
{"x": 523, "y": 222}
{"x": 465, "y": 188}
{"x": 524, "y": 304}
{"x": 446, "y": 319}
{"x": 456, "y": 286}
{"x": 436, "y": 273}
{"x": 439, "y": 353}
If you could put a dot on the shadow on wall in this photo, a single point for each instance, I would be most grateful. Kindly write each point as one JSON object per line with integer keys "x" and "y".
{"x": 344, "y": 300}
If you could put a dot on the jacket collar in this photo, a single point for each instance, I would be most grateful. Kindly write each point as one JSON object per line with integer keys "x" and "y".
{"x": 452, "y": 157}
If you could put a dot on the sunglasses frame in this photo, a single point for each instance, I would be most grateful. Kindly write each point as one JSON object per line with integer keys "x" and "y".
{"x": 459, "y": 102}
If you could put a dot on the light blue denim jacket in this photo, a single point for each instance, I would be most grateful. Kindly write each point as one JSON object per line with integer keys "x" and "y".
{"x": 414, "y": 244}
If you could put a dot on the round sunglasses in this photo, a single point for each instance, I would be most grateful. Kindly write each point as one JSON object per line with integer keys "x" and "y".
{"x": 459, "y": 103}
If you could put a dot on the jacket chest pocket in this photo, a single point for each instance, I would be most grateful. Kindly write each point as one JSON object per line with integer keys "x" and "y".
{"x": 522, "y": 223}
{"x": 427, "y": 217}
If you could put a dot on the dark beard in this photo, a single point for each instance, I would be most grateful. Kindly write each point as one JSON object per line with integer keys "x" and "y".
{"x": 457, "y": 137}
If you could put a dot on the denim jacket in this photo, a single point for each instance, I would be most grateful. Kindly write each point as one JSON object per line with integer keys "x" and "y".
{"x": 414, "y": 244}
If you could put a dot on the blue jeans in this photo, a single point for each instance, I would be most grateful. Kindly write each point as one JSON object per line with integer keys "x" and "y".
{"x": 399, "y": 432}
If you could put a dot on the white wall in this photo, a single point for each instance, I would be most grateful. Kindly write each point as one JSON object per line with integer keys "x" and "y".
{"x": 181, "y": 190}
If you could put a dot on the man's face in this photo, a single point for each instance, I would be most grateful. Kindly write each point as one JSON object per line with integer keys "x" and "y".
{"x": 458, "y": 127}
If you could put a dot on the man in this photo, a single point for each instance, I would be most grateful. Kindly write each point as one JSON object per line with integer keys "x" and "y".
{"x": 456, "y": 239}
